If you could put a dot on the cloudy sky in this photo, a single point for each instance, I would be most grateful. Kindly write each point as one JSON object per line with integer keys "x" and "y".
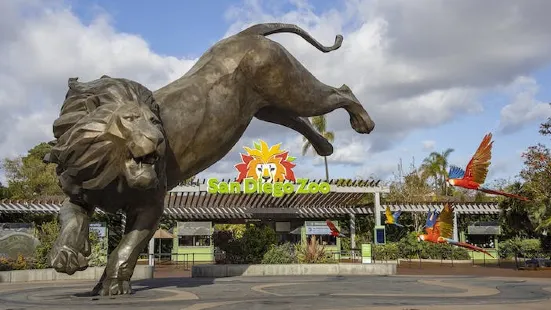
{"x": 432, "y": 74}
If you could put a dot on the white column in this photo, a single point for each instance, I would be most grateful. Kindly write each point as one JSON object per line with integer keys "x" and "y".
{"x": 377, "y": 209}
{"x": 455, "y": 227}
{"x": 352, "y": 230}
{"x": 151, "y": 251}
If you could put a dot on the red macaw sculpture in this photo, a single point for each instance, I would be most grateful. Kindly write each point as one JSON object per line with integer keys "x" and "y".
{"x": 441, "y": 231}
{"x": 334, "y": 231}
{"x": 476, "y": 171}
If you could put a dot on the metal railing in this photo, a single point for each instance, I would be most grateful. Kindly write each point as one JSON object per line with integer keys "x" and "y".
{"x": 518, "y": 261}
{"x": 183, "y": 260}
{"x": 349, "y": 256}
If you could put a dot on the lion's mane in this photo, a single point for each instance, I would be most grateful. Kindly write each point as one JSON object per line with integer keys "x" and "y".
{"x": 85, "y": 152}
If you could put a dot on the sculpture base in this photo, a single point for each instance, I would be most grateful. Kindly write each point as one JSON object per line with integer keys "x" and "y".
{"x": 141, "y": 272}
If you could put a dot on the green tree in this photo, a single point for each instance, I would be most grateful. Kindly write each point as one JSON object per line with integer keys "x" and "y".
{"x": 237, "y": 230}
{"x": 436, "y": 166}
{"x": 29, "y": 177}
{"x": 413, "y": 188}
{"x": 320, "y": 124}
{"x": 537, "y": 181}
{"x": 514, "y": 217}
{"x": 3, "y": 191}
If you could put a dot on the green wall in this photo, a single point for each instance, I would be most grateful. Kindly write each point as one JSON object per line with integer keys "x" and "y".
{"x": 192, "y": 253}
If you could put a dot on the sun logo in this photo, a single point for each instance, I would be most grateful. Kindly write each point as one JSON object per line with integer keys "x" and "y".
{"x": 269, "y": 164}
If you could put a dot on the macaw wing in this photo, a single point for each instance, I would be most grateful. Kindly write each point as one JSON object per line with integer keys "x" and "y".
{"x": 396, "y": 215}
{"x": 388, "y": 214}
{"x": 428, "y": 221}
{"x": 444, "y": 223}
{"x": 431, "y": 218}
{"x": 331, "y": 226}
{"x": 456, "y": 173}
{"x": 477, "y": 168}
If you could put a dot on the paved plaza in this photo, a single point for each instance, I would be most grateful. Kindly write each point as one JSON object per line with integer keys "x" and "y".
{"x": 266, "y": 293}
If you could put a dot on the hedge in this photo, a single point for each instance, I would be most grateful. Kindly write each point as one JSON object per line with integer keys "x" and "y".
{"x": 409, "y": 247}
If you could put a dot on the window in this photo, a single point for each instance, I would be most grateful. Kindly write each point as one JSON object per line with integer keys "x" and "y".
{"x": 194, "y": 240}
{"x": 482, "y": 241}
{"x": 324, "y": 239}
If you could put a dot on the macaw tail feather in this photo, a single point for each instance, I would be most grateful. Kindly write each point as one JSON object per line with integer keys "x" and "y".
{"x": 494, "y": 192}
{"x": 399, "y": 225}
{"x": 468, "y": 246}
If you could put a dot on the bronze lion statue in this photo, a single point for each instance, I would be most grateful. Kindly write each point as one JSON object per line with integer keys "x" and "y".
{"x": 110, "y": 152}
{"x": 119, "y": 146}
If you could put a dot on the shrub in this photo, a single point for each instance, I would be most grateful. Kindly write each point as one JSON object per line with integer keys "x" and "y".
{"x": 250, "y": 248}
{"x": 47, "y": 234}
{"x": 388, "y": 251}
{"x": 517, "y": 247}
{"x": 410, "y": 248}
{"x": 98, "y": 257}
{"x": 256, "y": 241}
{"x": 20, "y": 263}
{"x": 313, "y": 253}
{"x": 280, "y": 254}
{"x": 531, "y": 248}
{"x": 5, "y": 264}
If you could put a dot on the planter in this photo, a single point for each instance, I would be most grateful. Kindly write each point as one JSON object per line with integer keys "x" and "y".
{"x": 219, "y": 271}
{"x": 91, "y": 273}
{"x": 444, "y": 261}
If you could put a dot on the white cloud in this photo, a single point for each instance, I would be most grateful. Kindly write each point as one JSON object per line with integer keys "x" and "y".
{"x": 411, "y": 68}
{"x": 428, "y": 145}
{"x": 524, "y": 108}
{"x": 382, "y": 170}
{"x": 39, "y": 54}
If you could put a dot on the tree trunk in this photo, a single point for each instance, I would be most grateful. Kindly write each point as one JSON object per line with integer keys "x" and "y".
{"x": 326, "y": 169}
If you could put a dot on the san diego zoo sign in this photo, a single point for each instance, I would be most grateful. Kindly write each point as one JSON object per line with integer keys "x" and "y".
{"x": 266, "y": 170}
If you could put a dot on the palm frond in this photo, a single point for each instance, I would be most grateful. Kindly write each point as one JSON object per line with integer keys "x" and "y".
{"x": 319, "y": 122}
{"x": 306, "y": 147}
{"x": 329, "y": 135}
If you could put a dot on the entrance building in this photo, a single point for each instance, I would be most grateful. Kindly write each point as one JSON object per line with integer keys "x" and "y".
{"x": 294, "y": 217}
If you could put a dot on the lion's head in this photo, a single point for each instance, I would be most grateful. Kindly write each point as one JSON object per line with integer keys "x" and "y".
{"x": 269, "y": 171}
{"x": 269, "y": 164}
{"x": 109, "y": 129}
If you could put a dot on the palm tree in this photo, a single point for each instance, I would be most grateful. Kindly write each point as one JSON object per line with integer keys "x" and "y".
{"x": 436, "y": 166}
{"x": 320, "y": 124}
{"x": 430, "y": 168}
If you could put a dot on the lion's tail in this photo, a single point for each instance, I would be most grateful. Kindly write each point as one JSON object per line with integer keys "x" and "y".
{"x": 271, "y": 28}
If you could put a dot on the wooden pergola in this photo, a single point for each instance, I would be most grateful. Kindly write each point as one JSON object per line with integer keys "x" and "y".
{"x": 192, "y": 201}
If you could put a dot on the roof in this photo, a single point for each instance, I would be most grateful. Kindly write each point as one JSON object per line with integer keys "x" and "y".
{"x": 162, "y": 234}
{"x": 247, "y": 213}
{"x": 192, "y": 201}
{"x": 458, "y": 207}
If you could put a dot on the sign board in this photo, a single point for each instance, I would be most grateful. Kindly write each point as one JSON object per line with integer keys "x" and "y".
{"x": 317, "y": 228}
{"x": 380, "y": 235}
{"x": 194, "y": 228}
{"x": 366, "y": 253}
{"x": 484, "y": 230}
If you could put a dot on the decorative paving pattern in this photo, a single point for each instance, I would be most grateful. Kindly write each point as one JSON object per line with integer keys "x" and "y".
{"x": 351, "y": 293}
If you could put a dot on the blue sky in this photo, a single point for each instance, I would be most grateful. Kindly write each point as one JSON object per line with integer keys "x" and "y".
{"x": 398, "y": 60}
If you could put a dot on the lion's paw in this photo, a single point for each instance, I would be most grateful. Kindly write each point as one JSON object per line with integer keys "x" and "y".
{"x": 67, "y": 260}
{"x": 110, "y": 287}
